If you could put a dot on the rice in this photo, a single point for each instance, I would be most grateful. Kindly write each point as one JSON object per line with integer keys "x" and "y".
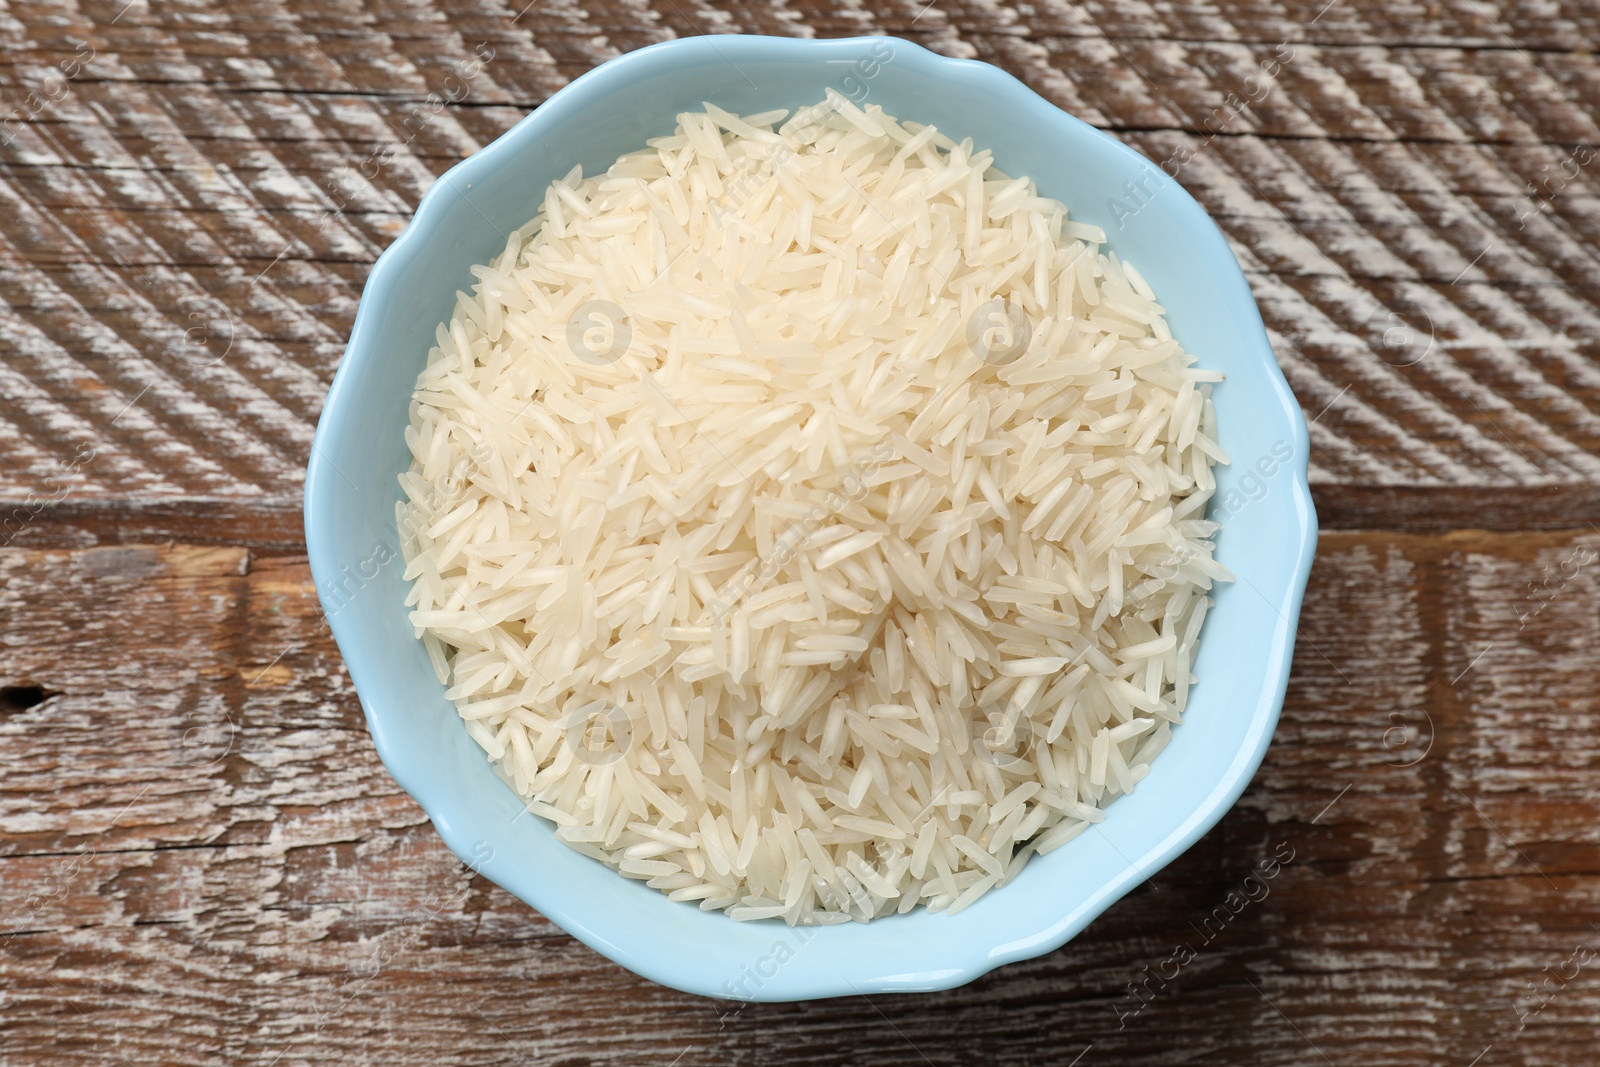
{"x": 806, "y": 518}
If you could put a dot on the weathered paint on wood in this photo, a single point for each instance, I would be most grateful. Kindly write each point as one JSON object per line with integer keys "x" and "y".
{"x": 201, "y": 859}
{"x": 192, "y": 195}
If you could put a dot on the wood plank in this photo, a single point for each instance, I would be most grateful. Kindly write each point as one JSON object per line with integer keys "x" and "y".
{"x": 187, "y": 231}
{"x": 201, "y": 857}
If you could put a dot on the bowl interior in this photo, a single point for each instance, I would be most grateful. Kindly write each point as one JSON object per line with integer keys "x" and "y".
{"x": 1266, "y": 539}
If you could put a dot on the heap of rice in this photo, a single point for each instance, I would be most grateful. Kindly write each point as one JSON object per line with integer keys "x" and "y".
{"x": 807, "y": 518}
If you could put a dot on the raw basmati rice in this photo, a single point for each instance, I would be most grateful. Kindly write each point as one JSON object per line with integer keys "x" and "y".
{"x": 808, "y": 519}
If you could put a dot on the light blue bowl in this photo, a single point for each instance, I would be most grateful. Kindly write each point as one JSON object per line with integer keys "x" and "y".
{"x": 1268, "y": 535}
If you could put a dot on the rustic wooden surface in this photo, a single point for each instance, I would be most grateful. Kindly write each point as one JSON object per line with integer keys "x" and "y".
{"x": 201, "y": 859}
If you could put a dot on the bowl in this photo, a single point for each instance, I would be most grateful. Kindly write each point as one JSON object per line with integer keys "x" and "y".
{"x": 1267, "y": 537}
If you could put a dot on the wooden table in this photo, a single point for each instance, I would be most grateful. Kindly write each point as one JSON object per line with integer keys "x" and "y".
{"x": 201, "y": 859}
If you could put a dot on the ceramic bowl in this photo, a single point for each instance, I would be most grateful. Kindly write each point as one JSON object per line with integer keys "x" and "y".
{"x": 1267, "y": 537}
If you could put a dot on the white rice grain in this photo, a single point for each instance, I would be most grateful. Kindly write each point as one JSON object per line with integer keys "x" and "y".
{"x": 751, "y": 572}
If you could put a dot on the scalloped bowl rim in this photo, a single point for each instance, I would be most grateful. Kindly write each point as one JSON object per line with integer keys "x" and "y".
{"x": 569, "y": 908}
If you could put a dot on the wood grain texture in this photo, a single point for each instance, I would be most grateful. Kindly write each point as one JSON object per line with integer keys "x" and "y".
{"x": 201, "y": 859}
{"x": 192, "y": 194}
